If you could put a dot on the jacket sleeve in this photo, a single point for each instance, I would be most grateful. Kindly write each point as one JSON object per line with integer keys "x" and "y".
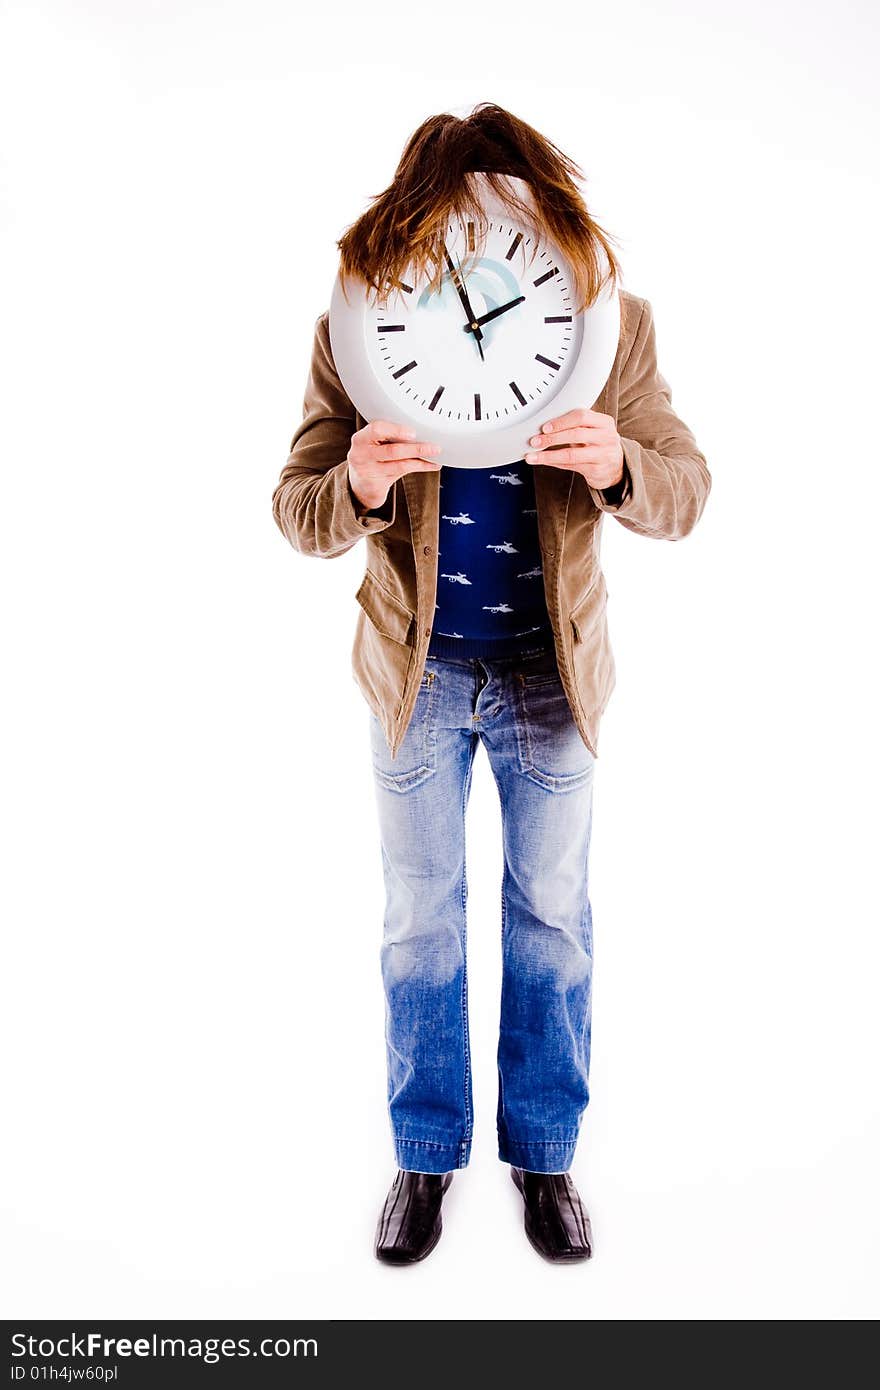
{"x": 313, "y": 504}
{"x": 666, "y": 480}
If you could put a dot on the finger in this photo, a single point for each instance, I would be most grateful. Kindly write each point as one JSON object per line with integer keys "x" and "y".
{"x": 581, "y": 453}
{"x": 558, "y": 458}
{"x": 589, "y": 419}
{"x": 395, "y": 468}
{"x": 572, "y": 436}
{"x": 388, "y": 453}
{"x": 379, "y": 430}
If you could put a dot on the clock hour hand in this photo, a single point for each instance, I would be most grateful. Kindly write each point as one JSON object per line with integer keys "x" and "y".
{"x": 493, "y": 314}
{"x": 462, "y": 293}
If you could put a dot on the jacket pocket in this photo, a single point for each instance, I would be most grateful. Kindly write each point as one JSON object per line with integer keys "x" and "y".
{"x": 385, "y": 611}
{"x": 589, "y": 608}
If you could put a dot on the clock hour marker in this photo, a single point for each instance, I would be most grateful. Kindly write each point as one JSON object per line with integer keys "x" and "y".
{"x": 547, "y": 362}
{"x": 558, "y": 318}
{"x": 548, "y": 275}
{"x": 392, "y": 328}
{"x": 407, "y": 289}
{"x": 436, "y": 396}
{"x": 401, "y": 371}
{"x": 478, "y": 408}
{"x": 470, "y": 231}
{"x": 517, "y": 392}
{"x": 513, "y": 245}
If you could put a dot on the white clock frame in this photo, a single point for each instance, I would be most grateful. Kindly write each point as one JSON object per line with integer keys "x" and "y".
{"x": 499, "y": 445}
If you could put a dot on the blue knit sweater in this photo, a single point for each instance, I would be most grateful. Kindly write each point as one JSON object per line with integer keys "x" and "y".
{"x": 490, "y": 586}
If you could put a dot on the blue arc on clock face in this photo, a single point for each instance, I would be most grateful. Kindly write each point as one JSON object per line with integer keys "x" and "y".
{"x": 492, "y": 345}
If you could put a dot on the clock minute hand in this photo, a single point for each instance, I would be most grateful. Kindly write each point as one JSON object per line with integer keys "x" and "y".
{"x": 493, "y": 314}
{"x": 462, "y": 293}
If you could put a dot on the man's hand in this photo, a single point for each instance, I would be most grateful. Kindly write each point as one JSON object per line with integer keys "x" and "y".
{"x": 585, "y": 441}
{"x": 381, "y": 453}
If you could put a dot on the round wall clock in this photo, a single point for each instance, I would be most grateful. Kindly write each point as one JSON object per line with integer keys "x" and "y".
{"x": 477, "y": 364}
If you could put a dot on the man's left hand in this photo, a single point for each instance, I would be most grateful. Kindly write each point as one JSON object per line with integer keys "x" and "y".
{"x": 585, "y": 441}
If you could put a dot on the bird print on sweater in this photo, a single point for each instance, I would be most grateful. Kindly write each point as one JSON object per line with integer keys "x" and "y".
{"x": 490, "y": 592}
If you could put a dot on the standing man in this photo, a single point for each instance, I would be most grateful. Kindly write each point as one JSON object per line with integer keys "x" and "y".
{"x": 483, "y": 621}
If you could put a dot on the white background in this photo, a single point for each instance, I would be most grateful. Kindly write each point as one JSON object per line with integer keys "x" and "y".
{"x": 194, "y": 1060}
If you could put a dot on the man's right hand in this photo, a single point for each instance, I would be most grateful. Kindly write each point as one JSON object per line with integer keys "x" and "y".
{"x": 381, "y": 453}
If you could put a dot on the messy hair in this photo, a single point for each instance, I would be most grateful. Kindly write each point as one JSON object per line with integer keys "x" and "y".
{"x": 433, "y": 185}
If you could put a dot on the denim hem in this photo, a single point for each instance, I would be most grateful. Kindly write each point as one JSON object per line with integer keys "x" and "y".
{"x": 538, "y": 1156}
{"x": 426, "y": 1156}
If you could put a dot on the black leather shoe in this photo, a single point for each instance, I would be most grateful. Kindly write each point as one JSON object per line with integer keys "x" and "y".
{"x": 556, "y": 1219}
{"x": 410, "y": 1224}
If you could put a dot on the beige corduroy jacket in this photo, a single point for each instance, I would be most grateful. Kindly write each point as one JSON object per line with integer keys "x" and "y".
{"x": 666, "y": 486}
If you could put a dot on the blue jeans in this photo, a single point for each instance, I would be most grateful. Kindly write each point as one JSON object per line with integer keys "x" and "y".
{"x": 544, "y": 773}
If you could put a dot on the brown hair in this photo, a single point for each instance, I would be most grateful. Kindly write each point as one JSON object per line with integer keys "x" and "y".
{"x": 406, "y": 224}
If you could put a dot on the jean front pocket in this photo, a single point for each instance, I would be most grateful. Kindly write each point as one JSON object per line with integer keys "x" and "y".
{"x": 539, "y": 669}
{"x": 416, "y": 759}
{"x": 551, "y": 751}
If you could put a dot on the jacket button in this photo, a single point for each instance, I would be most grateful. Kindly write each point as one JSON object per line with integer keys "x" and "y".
{"x": 427, "y": 550}
{"x": 551, "y": 554}
{"x": 427, "y": 632}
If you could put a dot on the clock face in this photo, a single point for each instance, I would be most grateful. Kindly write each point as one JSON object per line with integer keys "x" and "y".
{"x": 492, "y": 346}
